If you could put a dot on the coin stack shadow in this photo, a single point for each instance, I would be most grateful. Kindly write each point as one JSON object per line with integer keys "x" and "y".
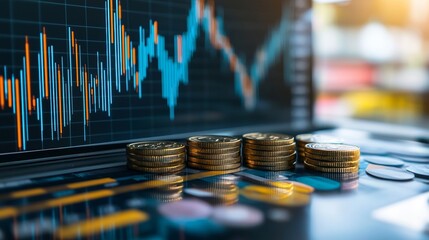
{"x": 170, "y": 191}
{"x": 214, "y": 153}
{"x": 332, "y": 158}
{"x": 156, "y": 157}
{"x": 269, "y": 154}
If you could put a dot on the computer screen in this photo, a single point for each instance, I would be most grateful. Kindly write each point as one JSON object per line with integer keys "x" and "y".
{"x": 84, "y": 73}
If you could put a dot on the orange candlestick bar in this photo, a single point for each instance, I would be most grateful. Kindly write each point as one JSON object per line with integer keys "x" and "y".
{"x": 129, "y": 46}
{"x": 155, "y": 31}
{"x": 72, "y": 38}
{"x": 18, "y": 114}
{"x": 34, "y": 102}
{"x": 137, "y": 81}
{"x": 120, "y": 10}
{"x": 86, "y": 96}
{"x": 111, "y": 21}
{"x": 45, "y": 60}
{"x": 27, "y": 63}
{"x": 1, "y": 92}
{"x": 60, "y": 100}
{"x": 9, "y": 93}
{"x": 134, "y": 56}
{"x": 77, "y": 64}
{"x": 179, "y": 48}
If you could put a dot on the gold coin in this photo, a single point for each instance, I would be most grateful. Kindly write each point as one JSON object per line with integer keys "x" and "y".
{"x": 272, "y": 139}
{"x": 248, "y": 151}
{"x": 215, "y": 162}
{"x": 331, "y": 149}
{"x": 290, "y": 147}
{"x": 173, "y": 169}
{"x": 160, "y": 158}
{"x": 273, "y": 159}
{"x": 331, "y": 164}
{"x": 331, "y": 169}
{"x": 271, "y": 168}
{"x": 156, "y": 148}
{"x": 213, "y": 167}
{"x": 213, "y": 150}
{"x": 213, "y": 142}
{"x": 214, "y": 156}
{"x": 333, "y": 158}
{"x": 269, "y": 163}
{"x": 155, "y": 164}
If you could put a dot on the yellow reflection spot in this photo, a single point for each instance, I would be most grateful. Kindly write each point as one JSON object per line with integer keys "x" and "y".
{"x": 8, "y": 212}
{"x": 97, "y": 225}
{"x": 90, "y": 183}
{"x": 79, "y": 198}
{"x": 28, "y": 193}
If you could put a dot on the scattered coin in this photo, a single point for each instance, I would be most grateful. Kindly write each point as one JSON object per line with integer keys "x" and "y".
{"x": 389, "y": 173}
{"x": 421, "y": 171}
{"x": 386, "y": 161}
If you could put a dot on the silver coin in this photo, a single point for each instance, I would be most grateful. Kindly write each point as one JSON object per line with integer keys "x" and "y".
{"x": 318, "y": 138}
{"x": 388, "y": 173}
{"x": 422, "y": 171}
{"x": 411, "y": 159}
{"x": 267, "y": 136}
{"x": 213, "y": 139}
{"x": 155, "y": 145}
{"x": 332, "y": 147}
{"x": 386, "y": 161}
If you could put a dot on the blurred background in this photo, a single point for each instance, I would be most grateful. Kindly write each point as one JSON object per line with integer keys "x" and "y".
{"x": 371, "y": 60}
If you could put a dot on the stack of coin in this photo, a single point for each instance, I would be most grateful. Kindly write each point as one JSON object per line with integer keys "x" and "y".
{"x": 332, "y": 158}
{"x": 269, "y": 151}
{"x": 156, "y": 157}
{"x": 214, "y": 153}
{"x": 304, "y": 139}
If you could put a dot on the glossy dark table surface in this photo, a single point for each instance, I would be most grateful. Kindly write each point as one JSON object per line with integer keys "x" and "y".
{"x": 117, "y": 203}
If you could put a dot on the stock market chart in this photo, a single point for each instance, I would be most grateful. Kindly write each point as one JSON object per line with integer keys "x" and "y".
{"x": 76, "y": 73}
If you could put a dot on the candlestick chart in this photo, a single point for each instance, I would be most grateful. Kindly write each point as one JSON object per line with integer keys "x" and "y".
{"x": 84, "y": 72}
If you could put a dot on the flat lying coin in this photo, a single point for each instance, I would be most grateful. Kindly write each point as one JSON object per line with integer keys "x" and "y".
{"x": 270, "y": 159}
{"x": 156, "y": 148}
{"x": 386, "y": 161}
{"x": 332, "y": 169}
{"x": 272, "y": 164}
{"x": 215, "y": 162}
{"x": 268, "y": 139}
{"x": 330, "y": 149}
{"x": 287, "y": 148}
{"x": 173, "y": 169}
{"x": 331, "y": 164}
{"x": 389, "y": 173}
{"x": 318, "y": 138}
{"x": 198, "y": 150}
{"x": 421, "y": 171}
{"x": 210, "y": 141}
{"x": 333, "y": 158}
{"x": 247, "y": 151}
{"x": 215, "y": 156}
{"x": 159, "y": 158}
{"x": 155, "y": 164}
